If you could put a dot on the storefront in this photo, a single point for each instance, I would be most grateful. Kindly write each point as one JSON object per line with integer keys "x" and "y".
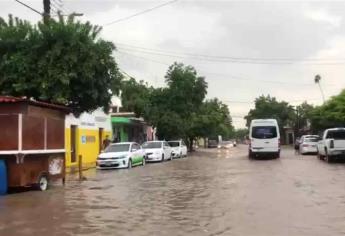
{"x": 84, "y": 136}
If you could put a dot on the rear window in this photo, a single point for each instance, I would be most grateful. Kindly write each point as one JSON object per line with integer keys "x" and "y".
{"x": 264, "y": 132}
{"x": 337, "y": 135}
{"x": 312, "y": 140}
{"x": 174, "y": 144}
{"x": 152, "y": 145}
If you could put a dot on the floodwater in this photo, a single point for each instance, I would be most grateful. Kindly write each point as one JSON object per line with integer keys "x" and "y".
{"x": 211, "y": 192}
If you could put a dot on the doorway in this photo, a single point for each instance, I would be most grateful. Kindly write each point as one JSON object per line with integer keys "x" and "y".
{"x": 73, "y": 143}
{"x": 100, "y": 138}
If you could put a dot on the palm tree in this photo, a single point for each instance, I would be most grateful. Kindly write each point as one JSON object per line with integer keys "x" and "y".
{"x": 317, "y": 81}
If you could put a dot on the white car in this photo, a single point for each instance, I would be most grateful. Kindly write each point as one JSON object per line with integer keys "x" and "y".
{"x": 264, "y": 138}
{"x": 308, "y": 144}
{"x": 332, "y": 145}
{"x": 157, "y": 151}
{"x": 179, "y": 148}
{"x": 121, "y": 155}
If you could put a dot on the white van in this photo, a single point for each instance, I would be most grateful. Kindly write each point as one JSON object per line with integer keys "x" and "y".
{"x": 264, "y": 138}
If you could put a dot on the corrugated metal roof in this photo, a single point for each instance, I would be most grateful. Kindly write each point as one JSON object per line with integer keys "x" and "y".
{"x": 11, "y": 99}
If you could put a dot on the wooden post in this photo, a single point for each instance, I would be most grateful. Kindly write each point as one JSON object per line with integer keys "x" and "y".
{"x": 80, "y": 164}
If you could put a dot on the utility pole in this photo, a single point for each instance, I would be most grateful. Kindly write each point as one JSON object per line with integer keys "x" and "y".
{"x": 46, "y": 11}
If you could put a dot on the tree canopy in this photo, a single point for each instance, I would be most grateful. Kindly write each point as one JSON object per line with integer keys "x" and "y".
{"x": 267, "y": 107}
{"x": 63, "y": 62}
{"x": 179, "y": 110}
{"x": 331, "y": 114}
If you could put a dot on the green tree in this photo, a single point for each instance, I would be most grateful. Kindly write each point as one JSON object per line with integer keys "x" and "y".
{"x": 212, "y": 119}
{"x": 331, "y": 114}
{"x": 267, "y": 107}
{"x": 302, "y": 117}
{"x": 63, "y": 62}
{"x": 135, "y": 96}
{"x": 241, "y": 134}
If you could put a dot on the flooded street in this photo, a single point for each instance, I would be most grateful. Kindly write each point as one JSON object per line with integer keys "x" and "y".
{"x": 211, "y": 192}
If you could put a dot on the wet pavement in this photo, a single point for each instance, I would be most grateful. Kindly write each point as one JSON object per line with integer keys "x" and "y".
{"x": 211, "y": 192}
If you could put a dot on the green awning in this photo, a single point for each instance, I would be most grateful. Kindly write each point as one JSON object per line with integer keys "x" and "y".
{"x": 121, "y": 120}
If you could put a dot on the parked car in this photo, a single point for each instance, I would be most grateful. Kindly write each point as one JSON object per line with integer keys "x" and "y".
{"x": 308, "y": 144}
{"x": 157, "y": 151}
{"x": 212, "y": 144}
{"x": 332, "y": 145}
{"x": 179, "y": 148}
{"x": 264, "y": 138}
{"x": 297, "y": 143}
{"x": 226, "y": 144}
{"x": 121, "y": 155}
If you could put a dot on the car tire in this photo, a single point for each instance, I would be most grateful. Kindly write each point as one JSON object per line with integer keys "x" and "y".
{"x": 250, "y": 154}
{"x": 43, "y": 183}
{"x": 278, "y": 155}
{"x": 143, "y": 161}
{"x": 319, "y": 156}
{"x": 129, "y": 166}
{"x": 162, "y": 158}
{"x": 328, "y": 158}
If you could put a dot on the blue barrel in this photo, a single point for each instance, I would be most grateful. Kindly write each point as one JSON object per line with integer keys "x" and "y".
{"x": 3, "y": 178}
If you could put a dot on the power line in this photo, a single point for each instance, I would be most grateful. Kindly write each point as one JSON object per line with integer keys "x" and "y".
{"x": 289, "y": 101}
{"x": 31, "y": 8}
{"x": 228, "y": 76}
{"x": 229, "y": 59}
{"x": 140, "y": 13}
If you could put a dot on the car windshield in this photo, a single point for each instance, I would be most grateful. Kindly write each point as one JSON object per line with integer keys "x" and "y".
{"x": 117, "y": 148}
{"x": 264, "y": 132}
{"x": 152, "y": 145}
{"x": 336, "y": 134}
{"x": 174, "y": 144}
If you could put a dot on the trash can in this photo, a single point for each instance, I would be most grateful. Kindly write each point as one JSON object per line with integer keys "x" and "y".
{"x": 3, "y": 178}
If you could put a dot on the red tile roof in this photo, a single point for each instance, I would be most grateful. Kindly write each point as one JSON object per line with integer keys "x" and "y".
{"x": 11, "y": 99}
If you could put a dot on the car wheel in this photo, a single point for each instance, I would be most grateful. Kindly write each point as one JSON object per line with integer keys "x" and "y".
{"x": 319, "y": 156}
{"x": 328, "y": 158}
{"x": 143, "y": 161}
{"x": 129, "y": 164}
{"x": 278, "y": 155}
{"x": 42, "y": 183}
{"x": 250, "y": 155}
{"x": 162, "y": 158}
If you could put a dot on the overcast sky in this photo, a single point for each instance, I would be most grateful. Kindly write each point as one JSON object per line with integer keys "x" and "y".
{"x": 281, "y": 45}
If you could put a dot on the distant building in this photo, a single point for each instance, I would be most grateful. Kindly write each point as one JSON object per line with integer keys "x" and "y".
{"x": 126, "y": 127}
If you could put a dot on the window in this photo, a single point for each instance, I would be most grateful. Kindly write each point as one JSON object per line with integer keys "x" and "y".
{"x": 174, "y": 144}
{"x": 264, "y": 132}
{"x": 117, "y": 148}
{"x": 135, "y": 146}
{"x": 150, "y": 145}
{"x": 336, "y": 134}
{"x": 166, "y": 144}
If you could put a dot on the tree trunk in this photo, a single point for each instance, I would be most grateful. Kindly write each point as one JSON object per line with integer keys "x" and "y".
{"x": 190, "y": 144}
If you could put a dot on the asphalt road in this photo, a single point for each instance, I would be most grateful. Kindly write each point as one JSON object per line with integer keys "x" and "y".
{"x": 211, "y": 192}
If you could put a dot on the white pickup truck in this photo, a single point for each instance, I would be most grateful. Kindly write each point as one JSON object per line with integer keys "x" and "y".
{"x": 332, "y": 145}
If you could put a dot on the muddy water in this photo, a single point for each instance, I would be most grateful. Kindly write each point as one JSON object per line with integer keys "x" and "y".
{"x": 210, "y": 193}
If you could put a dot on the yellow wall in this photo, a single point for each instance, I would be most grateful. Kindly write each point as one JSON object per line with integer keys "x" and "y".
{"x": 88, "y": 150}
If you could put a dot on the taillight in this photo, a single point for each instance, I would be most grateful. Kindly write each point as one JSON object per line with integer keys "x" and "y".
{"x": 331, "y": 144}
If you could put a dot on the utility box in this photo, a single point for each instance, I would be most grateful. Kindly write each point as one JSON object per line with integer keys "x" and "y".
{"x": 32, "y": 141}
